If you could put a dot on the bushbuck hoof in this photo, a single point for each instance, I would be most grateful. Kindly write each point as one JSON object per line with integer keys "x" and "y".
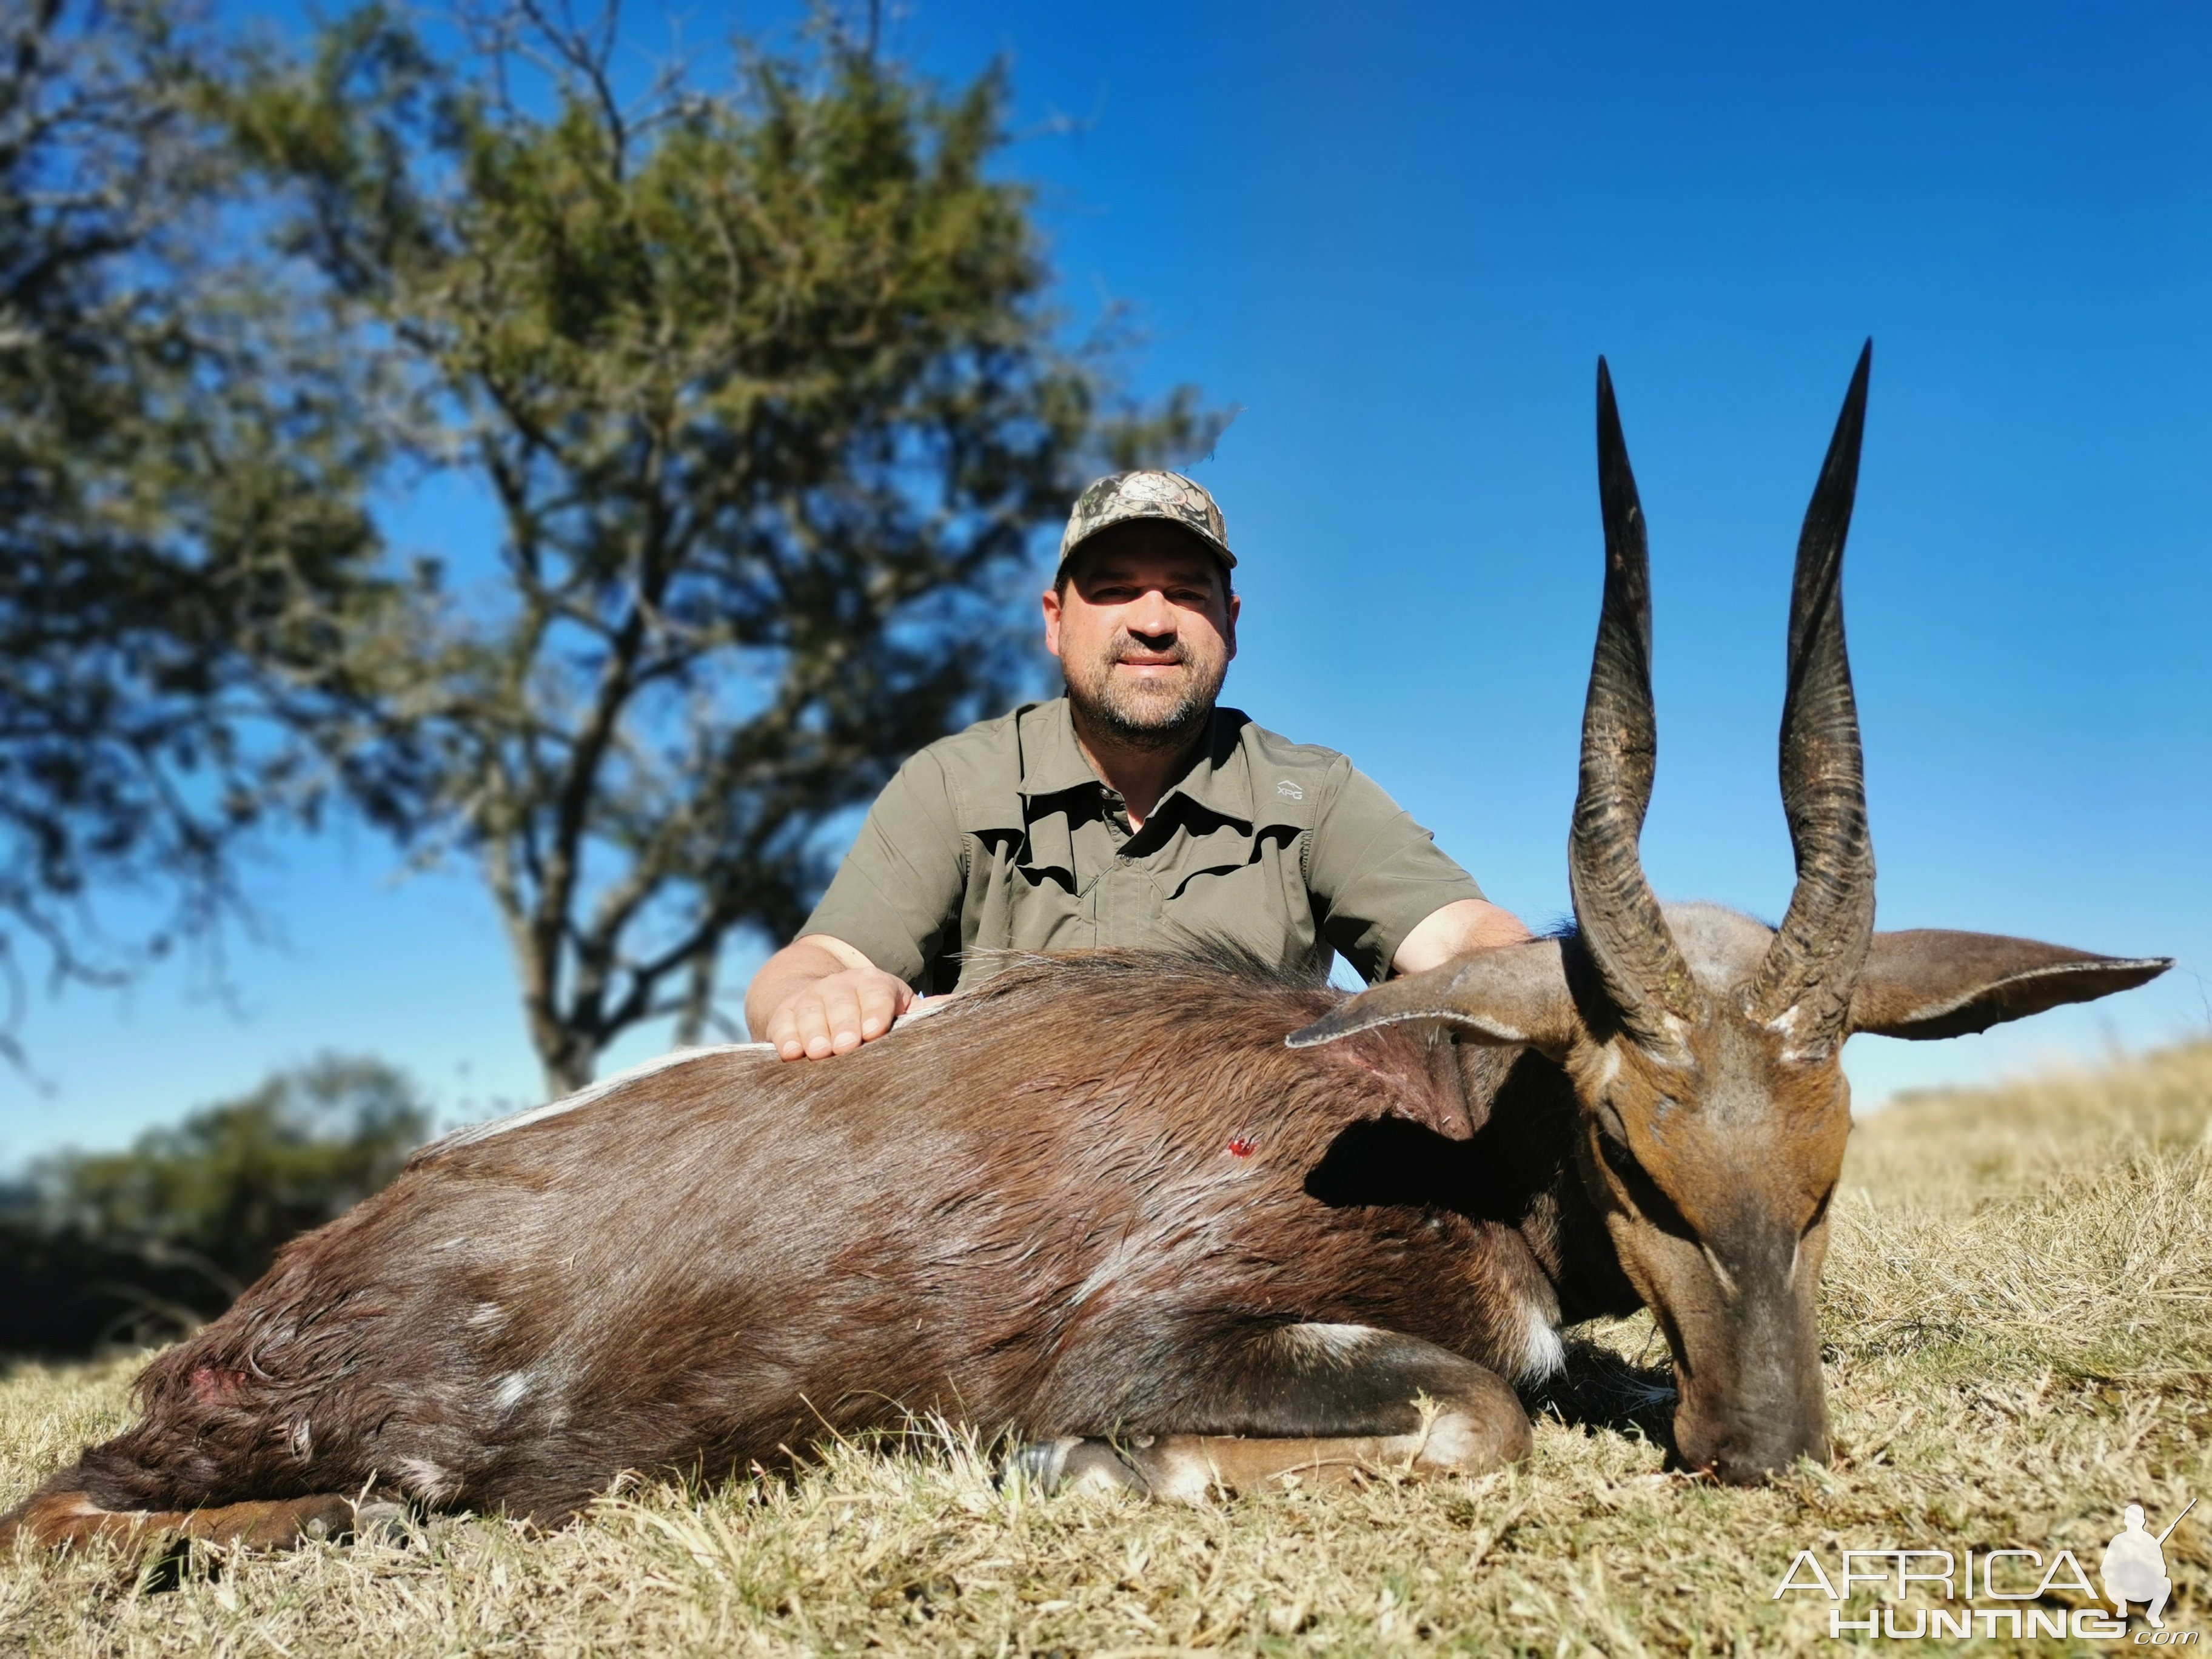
{"x": 379, "y": 1521}
{"x": 1071, "y": 1464}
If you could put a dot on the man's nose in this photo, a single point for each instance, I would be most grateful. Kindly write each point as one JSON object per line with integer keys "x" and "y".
{"x": 1151, "y": 619}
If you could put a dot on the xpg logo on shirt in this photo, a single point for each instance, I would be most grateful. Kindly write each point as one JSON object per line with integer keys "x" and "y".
{"x": 1288, "y": 790}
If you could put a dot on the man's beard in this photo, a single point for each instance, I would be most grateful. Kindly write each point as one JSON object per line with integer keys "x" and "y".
{"x": 1143, "y": 717}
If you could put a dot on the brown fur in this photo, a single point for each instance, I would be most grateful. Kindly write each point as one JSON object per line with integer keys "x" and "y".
{"x": 1023, "y": 1211}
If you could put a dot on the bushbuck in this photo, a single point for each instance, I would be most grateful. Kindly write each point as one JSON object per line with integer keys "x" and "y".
{"x": 1101, "y": 1201}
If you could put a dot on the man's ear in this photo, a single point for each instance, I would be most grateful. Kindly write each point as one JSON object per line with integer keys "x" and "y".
{"x": 1514, "y": 993}
{"x": 1929, "y": 982}
{"x": 1052, "y": 608}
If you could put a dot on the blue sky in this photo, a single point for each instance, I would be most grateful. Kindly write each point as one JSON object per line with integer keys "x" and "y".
{"x": 1399, "y": 237}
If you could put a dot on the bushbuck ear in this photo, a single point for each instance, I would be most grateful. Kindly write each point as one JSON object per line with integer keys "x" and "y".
{"x": 1514, "y": 993}
{"x": 1929, "y": 982}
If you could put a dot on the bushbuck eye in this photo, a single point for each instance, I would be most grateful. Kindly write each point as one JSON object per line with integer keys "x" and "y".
{"x": 1622, "y": 1162}
{"x": 1650, "y": 1202}
{"x": 1610, "y": 1130}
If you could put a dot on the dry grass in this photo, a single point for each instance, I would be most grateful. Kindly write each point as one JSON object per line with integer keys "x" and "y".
{"x": 2019, "y": 1321}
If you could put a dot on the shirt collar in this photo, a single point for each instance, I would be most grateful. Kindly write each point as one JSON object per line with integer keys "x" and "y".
{"x": 1052, "y": 760}
{"x": 1219, "y": 778}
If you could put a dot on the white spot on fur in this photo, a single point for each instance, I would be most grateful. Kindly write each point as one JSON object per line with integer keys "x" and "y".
{"x": 1726, "y": 1277}
{"x": 303, "y": 1440}
{"x": 512, "y": 1387}
{"x": 488, "y": 1315}
{"x": 1797, "y": 1050}
{"x": 1611, "y": 1069}
{"x": 420, "y": 1478}
{"x": 1338, "y": 1342}
{"x": 1543, "y": 1354}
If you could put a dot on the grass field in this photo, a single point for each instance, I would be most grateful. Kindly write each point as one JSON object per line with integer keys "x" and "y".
{"x": 2019, "y": 1320}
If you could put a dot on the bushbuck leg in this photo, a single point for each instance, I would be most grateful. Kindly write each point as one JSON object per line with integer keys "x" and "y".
{"x": 56, "y": 1519}
{"x": 1321, "y": 1403}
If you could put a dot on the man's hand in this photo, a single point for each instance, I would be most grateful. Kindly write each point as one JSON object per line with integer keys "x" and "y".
{"x": 817, "y": 997}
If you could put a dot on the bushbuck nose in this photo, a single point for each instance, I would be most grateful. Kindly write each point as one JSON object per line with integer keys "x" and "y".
{"x": 1746, "y": 1453}
{"x": 1755, "y": 1401}
{"x": 1750, "y": 1433}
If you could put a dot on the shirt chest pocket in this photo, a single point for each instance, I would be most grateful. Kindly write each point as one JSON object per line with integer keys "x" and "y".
{"x": 1259, "y": 902}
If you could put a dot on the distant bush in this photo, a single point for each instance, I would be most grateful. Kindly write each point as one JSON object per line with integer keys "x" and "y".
{"x": 137, "y": 1244}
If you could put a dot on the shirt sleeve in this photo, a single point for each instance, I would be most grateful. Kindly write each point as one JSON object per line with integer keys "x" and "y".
{"x": 900, "y": 885}
{"x": 1374, "y": 875}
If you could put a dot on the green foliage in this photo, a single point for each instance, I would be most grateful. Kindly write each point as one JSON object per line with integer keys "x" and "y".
{"x": 180, "y": 533}
{"x": 759, "y": 377}
{"x": 761, "y": 380}
{"x": 226, "y": 1188}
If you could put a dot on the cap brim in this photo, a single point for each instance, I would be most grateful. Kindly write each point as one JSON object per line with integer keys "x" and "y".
{"x": 1217, "y": 549}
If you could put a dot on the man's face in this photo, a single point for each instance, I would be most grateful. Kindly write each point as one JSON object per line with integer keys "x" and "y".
{"x": 1143, "y": 633}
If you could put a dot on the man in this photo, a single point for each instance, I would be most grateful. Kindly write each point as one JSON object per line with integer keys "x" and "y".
{"x": 1131, "y": 813}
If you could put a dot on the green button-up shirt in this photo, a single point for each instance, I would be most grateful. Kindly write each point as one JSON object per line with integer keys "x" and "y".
{"x": 1002, "y": 837}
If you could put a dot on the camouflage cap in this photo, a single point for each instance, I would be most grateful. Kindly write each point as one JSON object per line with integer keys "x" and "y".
{"x": 1146, "y": 495}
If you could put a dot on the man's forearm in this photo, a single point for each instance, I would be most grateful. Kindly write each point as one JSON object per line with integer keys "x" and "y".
{"x": 1463, "y": 926}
